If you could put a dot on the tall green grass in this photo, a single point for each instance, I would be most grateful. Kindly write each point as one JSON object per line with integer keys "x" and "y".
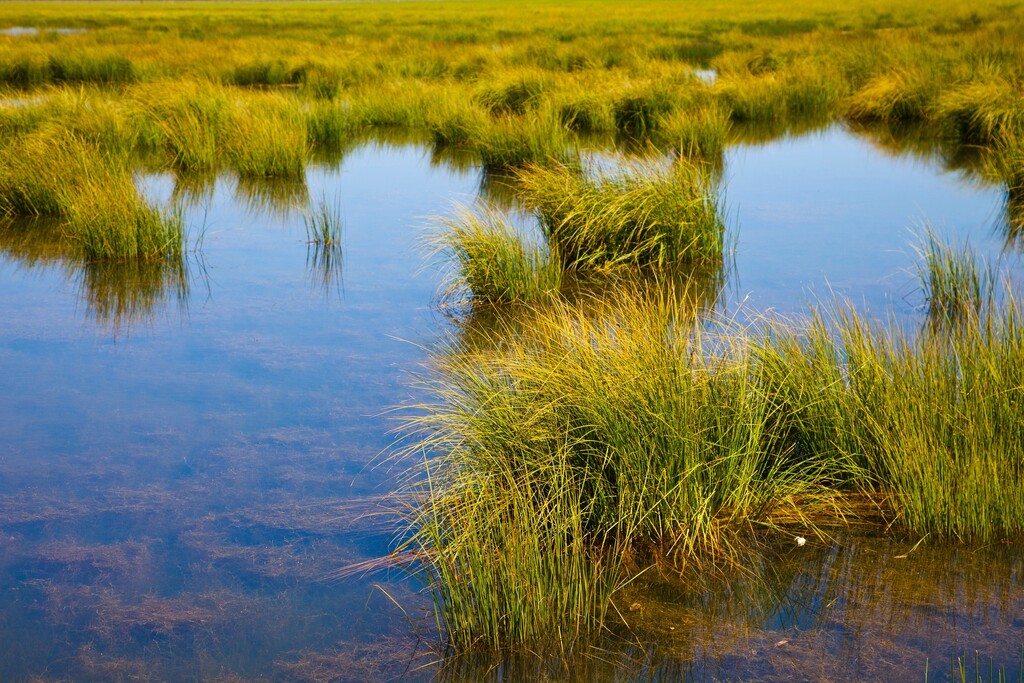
{"x": 267, "y": 142}
{"x": 588, "y": 441}
{"x": 638, "y": 215}
{"x": 953, "y": 283}
{"x": 193, "y": 120}
{"x": 108, "y": 220}
{"x": 493, "y": 261}
{"x": 697, "y": 132}
{"x": 512, "y": 142}
{"x": 51, "y": 173}
{"x": 587, "y": 445}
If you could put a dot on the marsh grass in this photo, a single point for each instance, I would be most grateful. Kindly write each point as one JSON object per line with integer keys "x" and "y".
{"x": 639, "y": 215}
{"x": 494, "y": 263}
{"x": 193, "y": 123}
{"x": 68, "y": 68}
{"x": 324, "y": 252}
{"x": 40, "y": 172}
{"x": 516, "y": 95}
{"x": 512, "y": 142}
{"x": 323, "y": 224}
{"x": 452, "y": 125}
{"x": 585, "y": 113}
{"x": 954, "y": 285}
{"x": 571, "y": 445}
{"x": 267, "y": 143}
{"x": 57, "y": 174}
{"x": 265, "y": 72}
{"x": 697, "y": 132}
{"x": 574, "y": 452}
{"x": 638, "y": 112}
{"x": 110, "y": 221}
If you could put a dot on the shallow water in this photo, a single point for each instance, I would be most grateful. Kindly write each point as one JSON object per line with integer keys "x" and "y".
{"x": 18, "y": 31}
{"x": 188, "y": 457}
{"x": 832, "y": 212}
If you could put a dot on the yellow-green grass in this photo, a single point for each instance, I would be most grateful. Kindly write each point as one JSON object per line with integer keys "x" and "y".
{"x": 955, "y": 286}
{"x": 53, "y": 173}
{"x": 588, "y": 442}
{"x": 494, "y": 263}
{"x": 515, "y": 141}
{"x": 640, "y": 214}
{"x": 589, "y": 65}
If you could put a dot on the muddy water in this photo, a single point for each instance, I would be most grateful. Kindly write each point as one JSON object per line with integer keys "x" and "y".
{"x": 189, "y": 455}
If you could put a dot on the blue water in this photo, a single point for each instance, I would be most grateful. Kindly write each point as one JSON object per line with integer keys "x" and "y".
{"x": 829, "y": 212}
{"x": 180, "y": 484}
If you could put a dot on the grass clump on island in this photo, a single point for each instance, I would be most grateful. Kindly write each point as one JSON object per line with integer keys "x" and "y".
{"x": 578, "y": 449}
{"x": 56, "y": 174}
{"x": 494, "y": 263}
{"x": 642, "y": 218}
{"x": 592, "y": 440}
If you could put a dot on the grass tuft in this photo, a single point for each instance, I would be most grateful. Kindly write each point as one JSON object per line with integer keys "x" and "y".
{"x": 639, "y": 215}
{"x": 494, "y": 263}
{"x": 952, "y": 284}
{"x": 323, "y": 224}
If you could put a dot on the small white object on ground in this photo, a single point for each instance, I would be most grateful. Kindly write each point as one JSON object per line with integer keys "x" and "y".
{"x": 800, "y": 540}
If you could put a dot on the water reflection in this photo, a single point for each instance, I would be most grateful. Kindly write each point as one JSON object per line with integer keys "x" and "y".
{"x": 861, "y": 608}
{"x": 771, "y": 131}
{"x": 920, "y": 142}
{"x": 193, "y": 189}
{"x": 325, "y": 265}
{"x": 118, "y": 295}
{"x": 1014, "y": 210}
{"x": 273, "y": 198}
{"x": 173, "y": 506}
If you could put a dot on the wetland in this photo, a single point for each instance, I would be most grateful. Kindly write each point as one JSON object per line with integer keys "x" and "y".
{"x": 464, "y": 341}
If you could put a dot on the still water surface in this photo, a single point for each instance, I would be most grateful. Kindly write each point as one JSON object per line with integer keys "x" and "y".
{"x": 186, "y": 459}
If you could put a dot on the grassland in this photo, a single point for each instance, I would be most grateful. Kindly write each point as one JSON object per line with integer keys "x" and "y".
{"x": 257, "y": 88}
{"x": 578, "y": 441}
